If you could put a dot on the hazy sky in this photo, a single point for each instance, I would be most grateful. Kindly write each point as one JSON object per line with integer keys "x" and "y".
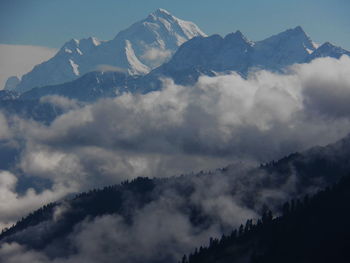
{"x": 52, "y": 22}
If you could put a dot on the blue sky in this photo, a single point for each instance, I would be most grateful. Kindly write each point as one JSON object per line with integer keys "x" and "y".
{"x": 52, "y": 22}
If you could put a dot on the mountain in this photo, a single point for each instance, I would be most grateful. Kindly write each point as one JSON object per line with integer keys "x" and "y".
{"x": 235, "y": 52}
{"x": 88, "y": 88}
{"x": 311, "y": 230}
{"x": 135, "y": 50}
{"x": 289, "y": 47}
{"x": 35, "y": 109}
{"x": 8, "y": 95}
{"x": 328, "y": 50}
{"x": 11, "y": 83}
{"x": 192, "y": 197}
{"x": 201, "y": 56}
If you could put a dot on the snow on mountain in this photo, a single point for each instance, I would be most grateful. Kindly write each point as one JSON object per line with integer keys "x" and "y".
{"x": 200, "y": 56}
{"x": 328, "y": 50}
{"x": 283, "y": 49}
{"x": 212, "y": 53}
{"x": 159, "y": 33}
{"x": 235, "y": 52}
{"x": 135, "y": 50}
{"x": 154, "y": 38}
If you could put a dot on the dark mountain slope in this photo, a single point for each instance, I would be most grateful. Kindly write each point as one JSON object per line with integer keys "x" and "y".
{"x": 88, "y": 88}
{"x": 246, "y": 189}
{"x": 315, "y": 229}
{"x": 33, "y": 109}
{"x": 110, "y": 200}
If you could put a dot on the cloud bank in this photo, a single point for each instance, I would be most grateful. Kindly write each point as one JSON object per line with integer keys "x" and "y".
{"x": 16, "y": 60}
{"x": 176, "y": 130}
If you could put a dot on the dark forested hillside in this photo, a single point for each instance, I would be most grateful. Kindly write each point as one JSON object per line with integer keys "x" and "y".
{"x": 312, "y": 229}
{"x": 209, "y": 204}
{"x": 121, "y": 199}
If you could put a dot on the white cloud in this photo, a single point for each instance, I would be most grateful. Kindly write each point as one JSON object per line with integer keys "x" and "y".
{"x": 110, "y": 68}
{"x": 156, "y": 56}
{"x": 60, "y": 102}
{"x": 179, "y": 129}
{"x": 16, "y": 60}
{"x": 208, "y": 125}
{"x": 13, "y": 205}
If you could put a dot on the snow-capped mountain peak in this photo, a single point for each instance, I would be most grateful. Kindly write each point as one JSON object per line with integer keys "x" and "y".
{"x": 189, "y": 29}
{"x": 202, "y": 55}
{"x": 70, "y": 46}
{"x": 160, "y": 12}
{"x": 199, "y": 56}
{"x": 143, "y": 46}
{"x": 80, "y": 46}
{"x": 288, "y": 47}
{"x": 294, "y": 36}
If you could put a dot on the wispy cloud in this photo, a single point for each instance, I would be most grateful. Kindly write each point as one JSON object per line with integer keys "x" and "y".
{"x": 155, "y": 56}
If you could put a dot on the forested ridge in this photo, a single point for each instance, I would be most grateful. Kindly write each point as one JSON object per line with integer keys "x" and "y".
{"x": 312, "y": 229}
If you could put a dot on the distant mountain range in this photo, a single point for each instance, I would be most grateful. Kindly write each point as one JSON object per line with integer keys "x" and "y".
{"x": 161, "y": 46}
{"x": 135, "y": 51}
{"x": 235, "y": 52}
